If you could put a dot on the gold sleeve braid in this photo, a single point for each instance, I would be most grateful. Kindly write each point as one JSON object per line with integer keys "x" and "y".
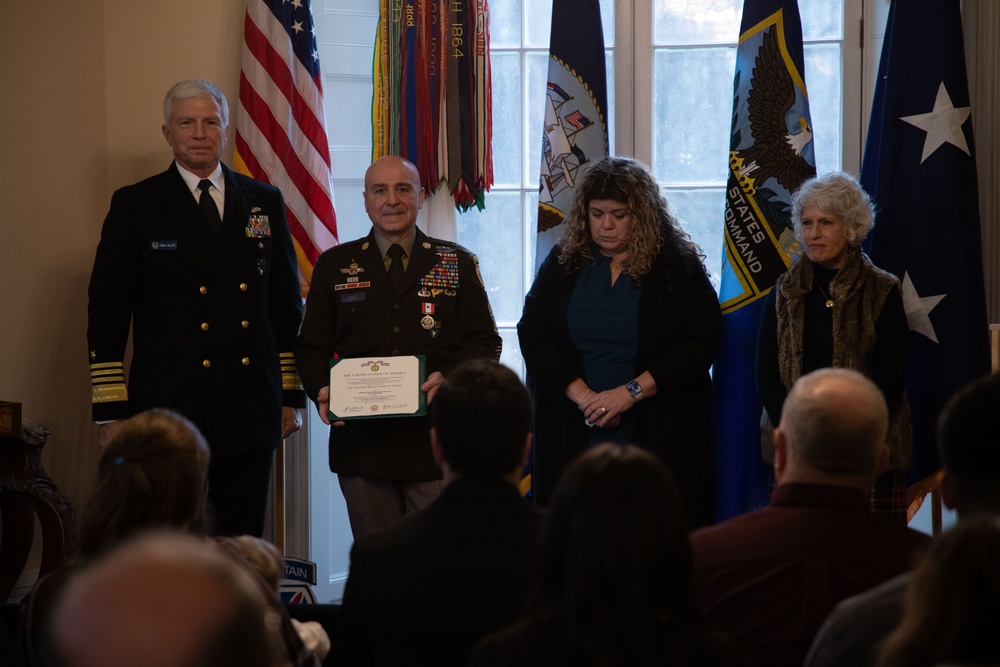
{"x": 107, "y": 382}
{"x": 289, "y": 372}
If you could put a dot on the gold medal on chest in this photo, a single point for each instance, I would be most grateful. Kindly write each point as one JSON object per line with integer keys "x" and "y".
{"x": 427, "y": 322}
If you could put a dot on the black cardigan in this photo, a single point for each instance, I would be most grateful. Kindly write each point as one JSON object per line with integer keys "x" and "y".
{"x": 679, "y": 331}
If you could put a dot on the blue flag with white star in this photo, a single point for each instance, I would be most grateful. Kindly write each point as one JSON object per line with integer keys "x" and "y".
{"x": 920, "y": 169}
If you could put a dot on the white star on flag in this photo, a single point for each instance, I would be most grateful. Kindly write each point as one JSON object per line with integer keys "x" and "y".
{"x": 942, "y": 124}
{"x": 918, "y": 309}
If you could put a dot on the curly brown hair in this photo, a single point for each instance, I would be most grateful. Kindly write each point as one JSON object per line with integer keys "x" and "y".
{"x": 655, "y": 231}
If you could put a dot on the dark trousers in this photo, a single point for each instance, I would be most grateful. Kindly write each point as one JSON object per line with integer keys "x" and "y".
{"x": 237, "y": 492}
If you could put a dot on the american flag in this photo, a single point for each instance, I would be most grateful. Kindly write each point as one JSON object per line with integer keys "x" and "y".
{"x": 280, "y": 126}
{"x": 578, "y": 120}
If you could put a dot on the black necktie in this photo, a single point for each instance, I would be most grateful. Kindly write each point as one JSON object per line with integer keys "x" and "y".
{"x": 396, "y": 267}
{"x": 208, "y": 208}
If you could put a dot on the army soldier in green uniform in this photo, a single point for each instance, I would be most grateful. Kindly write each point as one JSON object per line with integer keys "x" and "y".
{"x": 395, "y": 292}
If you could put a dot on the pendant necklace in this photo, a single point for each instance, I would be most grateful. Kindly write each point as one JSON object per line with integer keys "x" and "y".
{"x": 829, "y": 301}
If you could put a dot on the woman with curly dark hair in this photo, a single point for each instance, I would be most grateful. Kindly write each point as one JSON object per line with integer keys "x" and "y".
{"x": 618, "y": 333}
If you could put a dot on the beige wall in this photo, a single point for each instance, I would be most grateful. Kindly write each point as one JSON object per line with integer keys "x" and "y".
{"x": 80, "y": 116}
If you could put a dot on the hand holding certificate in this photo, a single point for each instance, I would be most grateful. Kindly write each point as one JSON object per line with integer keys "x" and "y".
{"x": 384, "y": 387}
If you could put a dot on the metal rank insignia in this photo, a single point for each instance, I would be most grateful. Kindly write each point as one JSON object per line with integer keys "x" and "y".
{"x": 353, "y": 269}
{"x": 427, "y": 322}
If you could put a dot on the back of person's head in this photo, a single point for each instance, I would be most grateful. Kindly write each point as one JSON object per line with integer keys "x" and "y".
{"x": 615, "y": 555}
{"x": 835, "y": 422}
{"x": 952, "y": 606}
{"x": 968, "y": 437}
{"x": 152, "y": 475}
{"x": 261, "y": 555}
{"x": 165, "y": 600}
{"x": 481, "y": 415}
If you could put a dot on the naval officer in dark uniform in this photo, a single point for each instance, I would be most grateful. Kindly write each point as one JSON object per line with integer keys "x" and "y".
{"x": 199, "y": 261}
{"x": 394, "y": 292}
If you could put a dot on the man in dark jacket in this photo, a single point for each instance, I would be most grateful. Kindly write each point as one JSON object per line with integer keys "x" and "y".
{"x": 425, "y": 590}
{"x": 394, "y": 293}
{"x": 199, "y": 261}
{"x": 770, "y": 577}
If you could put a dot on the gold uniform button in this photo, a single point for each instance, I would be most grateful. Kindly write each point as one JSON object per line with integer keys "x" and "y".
{"x": 396, "y": 329}
{"x": 204, "y": 326}
{"x": 246, "y": 361}
{"x": 206, "y": 363}
{"x": 243, "y": 287}
{"x": 203, "y": 289}
{"x": 244, "y": 324}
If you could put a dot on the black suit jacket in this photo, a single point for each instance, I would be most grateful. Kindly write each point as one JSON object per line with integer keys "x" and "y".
{"x": 353, "y": 311}
{"x": 213, "y": 320}
{"x": 426, "y": 589}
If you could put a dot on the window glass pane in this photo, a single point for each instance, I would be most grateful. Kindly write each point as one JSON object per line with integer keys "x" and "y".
{"x": 609, "y": 66}
{"x": 537, "y": 23}
{"x": 494, "y": 234}
{"x": 822, "y": 19}
{"x": 823, "y": 82}
{"x": 505, "y": 24}
{"x": 506, "y": 70}
{"x": 511, "y": 355}
{"x": 530, "y": 230}
{"x": 692, "y": 109}
{"x": 701, "y": 212}
{"x": 537, "y": 73}
{"x": 696, "y": 21}
{"x": 608, "y": 24}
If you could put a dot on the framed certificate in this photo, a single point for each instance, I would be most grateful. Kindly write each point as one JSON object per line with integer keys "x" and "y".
{"x": 367, "y": 388}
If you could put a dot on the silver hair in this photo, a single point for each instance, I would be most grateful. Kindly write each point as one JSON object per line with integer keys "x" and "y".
{"x": 839, "y": 193}
{"x": 195, "y": 88}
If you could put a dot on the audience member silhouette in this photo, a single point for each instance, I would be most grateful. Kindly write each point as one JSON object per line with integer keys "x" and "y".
{"x": 151, "y": 476}
{"x": 426, "y": 589}
{"x": 613, "y": 584}
{"x": 952, "y": 603}
{"x": 167, "y": 600}
{"x": 770, "y": 577}
{"x": 967, "y": 437}
{"x": 267, "y": 561}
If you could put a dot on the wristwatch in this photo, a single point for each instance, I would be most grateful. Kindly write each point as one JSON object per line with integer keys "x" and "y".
{"x": 634, "y": 390}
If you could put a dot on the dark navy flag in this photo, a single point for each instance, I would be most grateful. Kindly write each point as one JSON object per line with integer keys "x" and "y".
{"x": 770, "y": 155}
{"x": 920, "y": 169}
{"x": 576, "y": 112}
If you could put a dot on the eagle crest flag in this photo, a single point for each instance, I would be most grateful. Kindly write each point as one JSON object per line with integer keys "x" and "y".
{"x": 770, "y": 155}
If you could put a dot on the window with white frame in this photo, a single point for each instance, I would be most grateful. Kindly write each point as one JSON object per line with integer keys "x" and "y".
{"x": 670, "y": 71}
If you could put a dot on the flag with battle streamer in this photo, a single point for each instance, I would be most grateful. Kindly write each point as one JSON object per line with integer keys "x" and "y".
{"x": 432, "y": 98}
